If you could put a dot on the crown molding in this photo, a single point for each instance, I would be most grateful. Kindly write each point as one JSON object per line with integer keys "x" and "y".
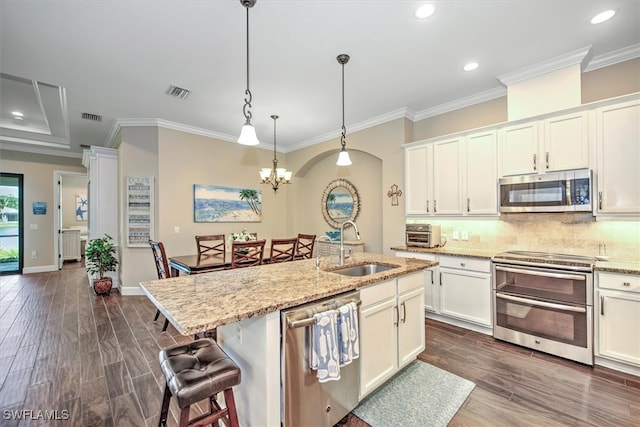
{"x": 612, "y": 58}
{"x": 467, "y": 101}
{"x": 39, "y": 150}
{"x": 554, "y": 64}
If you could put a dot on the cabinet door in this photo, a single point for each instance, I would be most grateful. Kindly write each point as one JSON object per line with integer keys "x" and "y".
{"x": 481, "y": 174}
{"x": 447, "y": 177}
{"x": 619, "y": 326}
{"x": 618, "y": 133}
{"x": 519, "y": 149}
{"x": 410, "y": 326}
{"x": 431, "y": 290}
{"x": 418, "y": 182}
{"x": 378, "y": 344}
{"x": 466, "y": 295}
{"x": 566, "y": 142}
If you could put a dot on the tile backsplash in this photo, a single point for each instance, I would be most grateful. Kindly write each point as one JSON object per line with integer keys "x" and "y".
{"x": 569, "y": 233}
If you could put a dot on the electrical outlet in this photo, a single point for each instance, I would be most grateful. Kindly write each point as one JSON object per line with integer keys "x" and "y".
{"x": 176, "y": 229}
{"x": 464, "y": 235}
{"x": 33, "y": 226}
{"x": 34, "y": 255}
{"x": 239, "y": 333}
{"x": 456, "y": 235}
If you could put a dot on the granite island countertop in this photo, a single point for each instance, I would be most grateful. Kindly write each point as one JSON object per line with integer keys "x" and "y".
{"x": 611, "y": 266}
{"x": 200, "y": 302}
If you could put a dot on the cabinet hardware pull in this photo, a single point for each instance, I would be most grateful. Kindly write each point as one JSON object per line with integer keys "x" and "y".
{"x": 427, "y": 206}
{"x": 462, "y": 264}
{"x": 434, "y": 207}
{"x": 395, "y": 307}
{"x": 547, "y": 159}
{"x": 535, "y": 162}
{"x": 441, "y": 278}
{"x": 432, "y": 275}
{"x": 602, "y": 305}
{"x": 404, "y": 312}
{"x": 626, "y": 283}
{"x": 468, "y": 204}
{"x": 600, "y": 200}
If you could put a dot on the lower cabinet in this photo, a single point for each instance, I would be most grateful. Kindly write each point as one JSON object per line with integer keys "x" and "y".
{"x": 391, "y": 328}
{"x": 618, "y": 317}
{"x": 465, "y": 289}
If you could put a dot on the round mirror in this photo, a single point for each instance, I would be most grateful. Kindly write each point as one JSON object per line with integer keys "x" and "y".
{"x": 340, "y": 202}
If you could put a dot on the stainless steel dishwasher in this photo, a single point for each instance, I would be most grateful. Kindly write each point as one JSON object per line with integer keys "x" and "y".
{"x": 306, "y": 401}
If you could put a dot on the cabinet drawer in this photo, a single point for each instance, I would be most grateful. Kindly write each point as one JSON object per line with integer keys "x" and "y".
{"x": 620, "y": 282}
{"x": 378, "y": 292}
{"x": 410, "y": 282}
{"x": 464, "y": 263}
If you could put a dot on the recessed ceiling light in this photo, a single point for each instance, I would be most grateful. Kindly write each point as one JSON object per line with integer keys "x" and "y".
{"x": 603, "y": 16}
{"x": 470, "y": 66}
{"x": 425, "y": 11}
{"x": 17, "y": 114}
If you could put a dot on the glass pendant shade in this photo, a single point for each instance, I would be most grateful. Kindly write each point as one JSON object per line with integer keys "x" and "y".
{"x": 343, "y": 158}
{"x": 248, "y": 135}
{"x": 265, "y": 173}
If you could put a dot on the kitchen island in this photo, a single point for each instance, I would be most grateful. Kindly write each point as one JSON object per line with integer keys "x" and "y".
{"x": 244, "y": 305}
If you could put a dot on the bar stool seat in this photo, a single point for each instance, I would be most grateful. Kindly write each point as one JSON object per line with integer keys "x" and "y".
{"x": 197, "y": 371}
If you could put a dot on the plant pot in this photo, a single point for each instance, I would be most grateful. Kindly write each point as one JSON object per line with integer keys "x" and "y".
{"x": 102, "y": 286}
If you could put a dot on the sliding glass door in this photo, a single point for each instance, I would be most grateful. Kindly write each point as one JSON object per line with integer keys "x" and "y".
{"x": 11, "y": 223}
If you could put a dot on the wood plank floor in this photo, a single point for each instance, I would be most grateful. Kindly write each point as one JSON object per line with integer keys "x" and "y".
{"x": 94, "y": 361}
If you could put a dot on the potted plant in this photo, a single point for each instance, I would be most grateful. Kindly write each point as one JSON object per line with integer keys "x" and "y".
{"x": 101, "y": 257}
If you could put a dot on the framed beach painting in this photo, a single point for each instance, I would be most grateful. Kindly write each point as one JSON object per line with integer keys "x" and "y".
{"x": 214, "y": 203}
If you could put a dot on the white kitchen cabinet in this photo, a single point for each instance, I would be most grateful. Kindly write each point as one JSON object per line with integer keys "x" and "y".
{"x": 447, "y": 177}
{"x": 618, "y": 158}
{"x": 546, "y": 145}
{"x": 481, "y": 173}
{"x": 391, "y": 328}
{"x": 618, "y": 318}
{"x": 418, "y": 180}
{"x": 465, "y": 289}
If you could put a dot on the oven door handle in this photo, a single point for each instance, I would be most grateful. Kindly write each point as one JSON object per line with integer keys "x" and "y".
{"x": 542, "y": 303}
{"x": 542, "y": 273}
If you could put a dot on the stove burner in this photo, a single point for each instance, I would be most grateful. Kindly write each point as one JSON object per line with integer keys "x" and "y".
{"x": 544, "y": 259}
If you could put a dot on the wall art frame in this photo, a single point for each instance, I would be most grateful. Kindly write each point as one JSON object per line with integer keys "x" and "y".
{"x": 216, "y": 203}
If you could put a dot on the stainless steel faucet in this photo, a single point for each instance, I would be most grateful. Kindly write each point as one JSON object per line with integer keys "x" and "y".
{"x": 355, "y": 227}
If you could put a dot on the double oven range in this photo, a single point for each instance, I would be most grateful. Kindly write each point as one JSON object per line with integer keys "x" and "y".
{"x": 544, "y": 301}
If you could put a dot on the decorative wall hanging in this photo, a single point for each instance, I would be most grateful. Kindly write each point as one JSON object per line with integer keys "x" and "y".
{"x": 139, "y": 217}
{"x": 82, "y": 206}
{"x": 39, "y": 208}
{"x": 213, "y": 203}
{"x": 394, "y": 193}
{"x": 340, "y": 202}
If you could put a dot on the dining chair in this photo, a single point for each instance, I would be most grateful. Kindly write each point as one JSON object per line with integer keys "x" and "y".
{"x": 304, "y": 247}
{"x": 213, "y": 245}
{"x": 162, "y": 267}
{"x": 283, "y": 250}
{"x": 247, "y": 254}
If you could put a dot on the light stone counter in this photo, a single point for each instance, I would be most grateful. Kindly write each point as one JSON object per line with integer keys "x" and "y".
{"x": 200, "y": 302}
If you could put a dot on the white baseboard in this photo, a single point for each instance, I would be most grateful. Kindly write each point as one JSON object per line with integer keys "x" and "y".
{"x": 131, "y": 290}
{"x": 39, "y": 269}
{"x": 461, "y": 323}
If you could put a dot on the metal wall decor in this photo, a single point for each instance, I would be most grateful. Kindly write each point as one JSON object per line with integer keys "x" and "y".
{"x": 394, "y": 194}
{"x": 340, "y": 202}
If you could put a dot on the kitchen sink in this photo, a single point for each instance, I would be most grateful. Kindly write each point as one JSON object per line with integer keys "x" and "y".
{"x": 363, "y": 270}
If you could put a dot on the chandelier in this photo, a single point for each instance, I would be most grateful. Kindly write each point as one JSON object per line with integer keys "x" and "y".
{"x": 248, "y": 133}
{"x": 343, "y": 157}
{"x": 275, "y": 176}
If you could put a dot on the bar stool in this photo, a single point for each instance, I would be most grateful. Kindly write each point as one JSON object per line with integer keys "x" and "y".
{"x": 197, "y": 371}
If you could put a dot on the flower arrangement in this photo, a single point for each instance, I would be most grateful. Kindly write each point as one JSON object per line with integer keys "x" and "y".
{"x": 243, "y": 236}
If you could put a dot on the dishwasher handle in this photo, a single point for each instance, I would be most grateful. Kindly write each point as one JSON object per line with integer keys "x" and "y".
{"x": 309, "y": 320}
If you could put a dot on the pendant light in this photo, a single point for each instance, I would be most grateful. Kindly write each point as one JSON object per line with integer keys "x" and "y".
{"x": 275, "y": 176}
{"x": 248, "y": 133}
{"x": 343, "y": 157}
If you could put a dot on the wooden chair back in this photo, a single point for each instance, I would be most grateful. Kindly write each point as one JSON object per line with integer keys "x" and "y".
{"x": 211, "y": 245}
{"x": 160, "y": 258}
{"x": 304, "y": 248}
{"x": 247, "y": 254}
{"x": 283, "y": 249}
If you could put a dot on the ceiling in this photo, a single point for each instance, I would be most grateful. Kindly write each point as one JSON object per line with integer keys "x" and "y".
{"x": 117, "y": 59}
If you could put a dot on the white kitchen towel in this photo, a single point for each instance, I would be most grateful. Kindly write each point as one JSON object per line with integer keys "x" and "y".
{"x": 324, "y": 346}
{"x": 348, "y": 333}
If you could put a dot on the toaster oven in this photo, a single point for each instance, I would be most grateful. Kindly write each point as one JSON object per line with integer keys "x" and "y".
{"x": 422, "y": 235}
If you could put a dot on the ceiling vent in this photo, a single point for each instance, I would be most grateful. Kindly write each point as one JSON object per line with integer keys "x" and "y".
{"x": 92, "y": 117}
{"x": 178, "y": 92}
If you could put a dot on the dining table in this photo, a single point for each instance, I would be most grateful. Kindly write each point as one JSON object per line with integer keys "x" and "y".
{"x": 197, "y": 264}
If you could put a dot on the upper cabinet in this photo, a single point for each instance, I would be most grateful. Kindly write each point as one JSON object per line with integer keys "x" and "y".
{"x": 480, "y": 178}
{"x": 552, "y": 144}
{"x": 618, "y": 152}
{"x": 447, "y": 177}
{"x": 418, "y": 169}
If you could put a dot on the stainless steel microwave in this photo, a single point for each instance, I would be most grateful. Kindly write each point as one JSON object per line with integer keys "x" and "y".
{"x": 568, "y": 191}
